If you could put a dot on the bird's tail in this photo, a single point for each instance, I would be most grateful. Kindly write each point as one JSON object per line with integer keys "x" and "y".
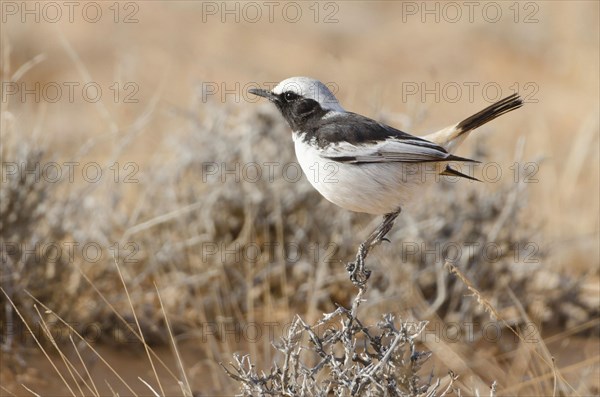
{"x": 450, "y": 138}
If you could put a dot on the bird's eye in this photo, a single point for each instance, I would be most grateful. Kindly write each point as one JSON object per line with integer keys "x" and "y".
{"x": 290, "y": 96}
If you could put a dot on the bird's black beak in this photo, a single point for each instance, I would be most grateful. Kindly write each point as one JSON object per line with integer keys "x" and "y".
{"x": 263, "y": 93}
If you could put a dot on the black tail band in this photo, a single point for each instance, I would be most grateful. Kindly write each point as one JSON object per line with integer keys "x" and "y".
{"x": 490, "y": 113}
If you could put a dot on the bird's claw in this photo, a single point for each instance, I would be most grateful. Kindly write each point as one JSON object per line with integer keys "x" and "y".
{"x": 358, "y": 273}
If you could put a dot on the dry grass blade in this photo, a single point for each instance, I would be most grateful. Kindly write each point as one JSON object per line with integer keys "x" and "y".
{"x": 511, "y": 202}
{"x": 31, "y": 391}
{"x": 40, "y": 346}
{"x": 125, "y": 323}
{"x": 141, "y": 334}
{"x": 154, "y": 392}
{"x": 480, "y": 299}
{"x": 68, "y": 365}
{"x": 23, "y": 69}
{"x": 62, "y": 321}
{"x": 490, "y": 309}
{"x": 4, "y": 389}
{"x": 582, "y": 327}
{"x": 187, "y": 389}
{"x": 87, "y": 77}
{"x": 593, "y": 361}
{"x": 85, "y": 367}
{"x": 547, "y": 358}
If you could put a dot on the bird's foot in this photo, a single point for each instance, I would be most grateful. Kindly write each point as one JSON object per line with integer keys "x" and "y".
{"x": 359, "y": 274}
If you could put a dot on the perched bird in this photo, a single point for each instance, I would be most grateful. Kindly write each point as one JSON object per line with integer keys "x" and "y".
{"x": 362, "y": 165}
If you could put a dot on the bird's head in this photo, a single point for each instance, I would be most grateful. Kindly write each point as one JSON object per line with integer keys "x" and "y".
{"x": 300, "y": 99}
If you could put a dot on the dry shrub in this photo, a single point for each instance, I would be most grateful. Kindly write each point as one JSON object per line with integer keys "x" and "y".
{"x": 189, "y": 226}
{"x": 215, "y": 238}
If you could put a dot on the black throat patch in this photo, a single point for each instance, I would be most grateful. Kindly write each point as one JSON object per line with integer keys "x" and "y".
{"x": 301, "y": 112}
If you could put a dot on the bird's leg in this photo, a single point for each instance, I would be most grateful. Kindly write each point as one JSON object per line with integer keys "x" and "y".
{"x": 358, "y": 273}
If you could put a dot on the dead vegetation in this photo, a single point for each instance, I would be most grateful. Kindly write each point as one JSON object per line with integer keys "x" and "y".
{"x": 208, "y": 230}
{"x": 248, "y": 247}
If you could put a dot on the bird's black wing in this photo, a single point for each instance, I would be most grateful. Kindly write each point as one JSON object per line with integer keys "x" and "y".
{"x": 352, "y": 138}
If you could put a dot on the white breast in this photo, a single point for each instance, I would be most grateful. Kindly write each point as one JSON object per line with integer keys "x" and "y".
{"x": 375, "y": 188}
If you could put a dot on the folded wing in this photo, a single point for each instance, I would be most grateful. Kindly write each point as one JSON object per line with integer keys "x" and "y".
{"x": 356, "y": 139}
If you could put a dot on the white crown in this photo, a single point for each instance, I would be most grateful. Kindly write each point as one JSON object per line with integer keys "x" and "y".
{"x": 311, "y": 89}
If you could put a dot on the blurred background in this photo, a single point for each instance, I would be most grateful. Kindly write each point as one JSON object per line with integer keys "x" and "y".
{"x": 133, "y": 154}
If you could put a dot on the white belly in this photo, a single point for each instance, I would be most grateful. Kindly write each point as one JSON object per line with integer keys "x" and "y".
{"x": 374, "y": 188}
